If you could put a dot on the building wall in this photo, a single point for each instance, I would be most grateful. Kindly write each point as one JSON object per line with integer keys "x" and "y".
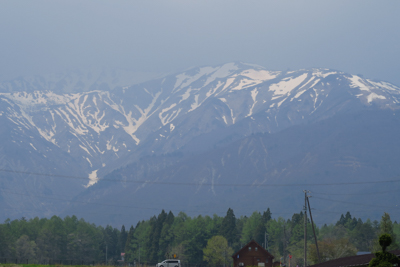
{"x": 252, "y": 257}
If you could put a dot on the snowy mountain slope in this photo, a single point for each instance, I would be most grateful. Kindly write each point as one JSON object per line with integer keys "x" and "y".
{"x": 101, "y": 126}
{"x": 23, "y": 153}
{"x": 166, "y": 114}
{"x": 356, "y": 148}
{"x": 73, "y": 81}
{"x": 236, "y": 104}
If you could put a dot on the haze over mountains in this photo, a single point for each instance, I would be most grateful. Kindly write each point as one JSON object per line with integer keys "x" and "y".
{"x": 235, "y": 135}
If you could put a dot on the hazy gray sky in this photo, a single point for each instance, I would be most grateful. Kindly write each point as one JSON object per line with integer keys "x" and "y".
{"x": 356, "y": 36}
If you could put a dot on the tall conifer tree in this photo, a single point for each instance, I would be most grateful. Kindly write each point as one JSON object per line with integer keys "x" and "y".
{"x": 122, "y": 239}
{"x": 228, "y": 227}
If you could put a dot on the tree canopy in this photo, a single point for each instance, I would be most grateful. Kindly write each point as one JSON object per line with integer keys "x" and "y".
{"x": 153, "y": 240}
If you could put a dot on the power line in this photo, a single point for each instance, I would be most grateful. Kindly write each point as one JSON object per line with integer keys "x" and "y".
{"x": 356, "y": 194}
{"x": 200, "y": 184}
{"x": 5, "y": 190}
{"x": 191, "y": 208}
{"x": 361, "y": 204}
{"x": 339, "y": 212}
{"x": 150, "y": 208}
{"x": 113, "y": 205}
{"x": 81, "y": 202}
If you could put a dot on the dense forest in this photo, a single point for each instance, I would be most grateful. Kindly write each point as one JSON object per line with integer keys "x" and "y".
{"x": 72, "y": 239}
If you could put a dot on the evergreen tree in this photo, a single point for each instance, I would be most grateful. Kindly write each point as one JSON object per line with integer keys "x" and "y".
{"x": 261, "y": 230}
{"x": 110, "y": 241}
{"x": 386, "y": 227}
{"x": 150, "y": 246}
{"x": 384, "y": 258}
{"x": 341, "y": 221}
{"x": 25, "y": 249}
{"x": 259, "y": 233}
{"x": 266, "y": 216}
{"x": 52, "y": 240}
{"x": 362, "y": 236}
{"x": 129, "y": 238}
{"x": 228, "y": 227}
{"x": 347, "y": 217}
{"x": 5, "y": 240}
{"x": 139, "y": 243}
{"x": 166, "y": 237}
{"x": 157, "y": 226}
{"x": 197, "y": 239}
{"x": 251, "y": 227}
{"x": 71, "y": 224}
{"x": 122, "y": 239}
{"x": 375, "y": 224}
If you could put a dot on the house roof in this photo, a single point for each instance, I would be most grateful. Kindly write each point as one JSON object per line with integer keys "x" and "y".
{"x": 252, "y": 242}
{"x": 358, "y": 260}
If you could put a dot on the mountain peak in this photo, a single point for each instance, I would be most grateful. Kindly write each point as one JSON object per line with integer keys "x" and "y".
{"x": 105, "y": 127}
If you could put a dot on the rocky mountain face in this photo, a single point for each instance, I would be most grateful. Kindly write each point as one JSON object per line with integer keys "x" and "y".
{"x": 87, "y": 128}
{"x": 348, "y": 162}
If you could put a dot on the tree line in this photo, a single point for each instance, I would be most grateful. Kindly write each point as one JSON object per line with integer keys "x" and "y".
{"x": 190, "y": 238}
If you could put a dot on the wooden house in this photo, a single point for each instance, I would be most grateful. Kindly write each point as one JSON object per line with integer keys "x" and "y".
{"x": 252, "y": 254}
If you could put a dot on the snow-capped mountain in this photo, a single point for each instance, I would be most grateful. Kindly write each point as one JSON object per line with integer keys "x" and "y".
{"x": 72, "y": 81}
{"x": 103, "y": 125}
{"x": 349, "y": 162}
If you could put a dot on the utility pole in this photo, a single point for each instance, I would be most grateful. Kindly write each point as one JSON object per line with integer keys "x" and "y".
{"x": 285, "y": 244}
{"x": 106, "y": 254}
{"x": 265, "y": 240}
{"x": 305, "y": 228}
{"x": 312, "y": 224}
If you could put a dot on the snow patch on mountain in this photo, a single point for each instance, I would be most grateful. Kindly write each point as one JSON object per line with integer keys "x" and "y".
{"x": 85, "y": 149}
{"x": 28, "y": 100}
{"x": 92, "y": 178}
{"x": 224, "y": 118}
{"x": 133, "y": 123}
{"x": 384, "y": 85}
{"x": 183, "y": 80}
{"x": 260, "y": 75}
{"x": 323, "y": 73}
{"x": 299, "y": 93}
{"x": 373, "y": 96}
{"x": 286, "y": 85}
{"x": 222, "y": 72}
{"x": 164, "y": 119}
{"x": 357, "y": 81}
{"x": 33, "y": 146}
{"x": 196, "y": 103}
{"x": 212, "y": 91}
{"x": 228, "y": 82}
{"x": 254, "y": 93}
{"x": 185, "y": 95}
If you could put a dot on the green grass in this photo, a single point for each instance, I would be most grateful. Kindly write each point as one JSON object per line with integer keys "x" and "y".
{"x": 56, "y": 265}
{"x": 40, "y": 265}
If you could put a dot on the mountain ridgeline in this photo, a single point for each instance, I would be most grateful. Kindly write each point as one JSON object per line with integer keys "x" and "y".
{"x": 235, "y": 135}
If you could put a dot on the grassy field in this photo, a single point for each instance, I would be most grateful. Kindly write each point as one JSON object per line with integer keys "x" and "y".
{"x": 57, "y": 265}
{"x": 39, "y": 265}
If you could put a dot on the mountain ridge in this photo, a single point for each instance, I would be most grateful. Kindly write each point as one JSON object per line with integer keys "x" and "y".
{"x": 187, "y": 113}
{"x": 332, "y": 158}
